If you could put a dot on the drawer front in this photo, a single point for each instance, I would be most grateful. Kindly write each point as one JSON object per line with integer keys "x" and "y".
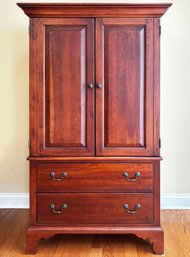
{"x": 94, "y": 177}
{"x": 92, "y": 208}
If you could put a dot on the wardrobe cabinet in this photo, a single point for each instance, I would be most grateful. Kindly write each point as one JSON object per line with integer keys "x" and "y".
{"x": 94, "y": 120}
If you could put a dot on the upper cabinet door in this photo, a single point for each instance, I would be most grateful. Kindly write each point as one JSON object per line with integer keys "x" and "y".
{"x": 65, "y": 104}
{"x": 124, "y": 103}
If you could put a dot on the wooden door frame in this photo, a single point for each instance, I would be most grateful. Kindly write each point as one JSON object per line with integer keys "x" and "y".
{"x": 37, "y": 88}
{"x": 101, "y": 150}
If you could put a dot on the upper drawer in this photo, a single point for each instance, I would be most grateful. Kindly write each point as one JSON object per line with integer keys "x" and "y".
{"x": 94, "y": 177}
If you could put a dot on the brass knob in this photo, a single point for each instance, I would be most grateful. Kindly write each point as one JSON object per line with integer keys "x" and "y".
{"x": 90, "y": 85}
{"x": 138, "y": 206}
{"x": 98, "y": 85}
{"x": 125, "y": 206}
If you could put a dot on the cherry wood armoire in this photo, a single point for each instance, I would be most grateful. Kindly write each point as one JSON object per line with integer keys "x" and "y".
{"x": 94, "y": 120}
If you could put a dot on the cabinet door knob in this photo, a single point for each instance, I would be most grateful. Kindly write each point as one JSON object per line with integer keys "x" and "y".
{"x": 98, "y": 85}
{"x": 126, "y": 175}
{"x": 90, "y": 85}
{"x": 52, "y": 206}
{"x": 53, "y": 175}
{"x": 137, "y": 206}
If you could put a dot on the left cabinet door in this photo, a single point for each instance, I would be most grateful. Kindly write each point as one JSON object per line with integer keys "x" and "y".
{"x": 62, "y": 104}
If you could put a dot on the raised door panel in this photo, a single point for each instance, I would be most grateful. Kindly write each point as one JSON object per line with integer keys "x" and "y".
{"x": 65, "y": 78}
{"x": 65, "y": 103}
{"x": 124, "y": 103}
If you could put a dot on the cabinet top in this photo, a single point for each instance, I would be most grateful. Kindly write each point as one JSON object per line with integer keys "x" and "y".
{"x": 37, "y": 10}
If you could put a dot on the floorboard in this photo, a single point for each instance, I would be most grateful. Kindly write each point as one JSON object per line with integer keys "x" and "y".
{"x": 13, "y": 224}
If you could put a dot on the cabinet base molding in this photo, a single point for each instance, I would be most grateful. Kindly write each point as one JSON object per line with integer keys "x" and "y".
{"x": 154, "y": 234}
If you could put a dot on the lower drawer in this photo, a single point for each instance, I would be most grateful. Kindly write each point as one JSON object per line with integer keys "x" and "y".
{"x": 92, "y": 208}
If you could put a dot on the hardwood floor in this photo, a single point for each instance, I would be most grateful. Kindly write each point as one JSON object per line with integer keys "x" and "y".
{"x": 13, "y": 224}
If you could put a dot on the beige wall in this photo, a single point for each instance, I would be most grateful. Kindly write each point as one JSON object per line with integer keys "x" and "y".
{"x": 13, "y": 98}
{"x": 175, "y": 99}
{"x": 175, "y": 111}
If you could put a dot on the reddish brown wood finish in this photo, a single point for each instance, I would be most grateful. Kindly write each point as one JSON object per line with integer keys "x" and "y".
{"x": 65, "y": 104}
{"x": 97, "y": 134}
{"x": 109, "y": 159}
{"x": 124, "y": 83}
{"x": 91, "y": 208}
{"x": 93, "y": 10}
{"x": 124, "y": 114}
{"x": 33, "y": 186}
{"x": 95, "y": 177}
{"x": 32, "y": 87}
{"x": 65, "y": 50}
{"x": 156, "y": 189}
{"x": 154, "y": 233}
{"x": 156, "y": 60}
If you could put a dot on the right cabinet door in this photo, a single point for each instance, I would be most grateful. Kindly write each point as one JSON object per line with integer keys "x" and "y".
{"x": 124, "y": 102}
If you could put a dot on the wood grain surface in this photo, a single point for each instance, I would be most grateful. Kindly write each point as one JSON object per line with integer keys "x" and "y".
{"x": 95, "y": 177}
{"x": 124, "y": 113}
{"x": 93, "y": 10}
{"x": 64, "y": 102}
{"x": 13, "y": 224}
{"x": 94, "y": 92}
{"x": 95, "y": 208}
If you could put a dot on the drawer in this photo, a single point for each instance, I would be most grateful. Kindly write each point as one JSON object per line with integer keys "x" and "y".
{"x": 73, "y": 208}
{"x": 94, "y": 177}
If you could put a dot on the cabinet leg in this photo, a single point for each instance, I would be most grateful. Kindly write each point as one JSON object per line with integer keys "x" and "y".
{"x": 158, "y": 244}
{"x": 31, "y": 243}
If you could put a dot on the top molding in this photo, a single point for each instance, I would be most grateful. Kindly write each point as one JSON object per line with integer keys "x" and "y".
{"x": 38, "y": 10}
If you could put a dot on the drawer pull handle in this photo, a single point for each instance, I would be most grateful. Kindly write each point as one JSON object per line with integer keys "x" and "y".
{"x": 137, "y": 206}
{"x": 126, "y": 175}
{"x": 52, "y": 206}
{"x": 63, "y": 175}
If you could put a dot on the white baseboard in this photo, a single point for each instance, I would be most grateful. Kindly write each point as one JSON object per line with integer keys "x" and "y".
{"x": 21, "y": 201}
{"x": 14, "y": 200}
{"x": 175, "y": 201}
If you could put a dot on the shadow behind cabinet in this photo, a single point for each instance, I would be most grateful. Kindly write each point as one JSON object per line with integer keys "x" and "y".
{"x": 94, "y": 120}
